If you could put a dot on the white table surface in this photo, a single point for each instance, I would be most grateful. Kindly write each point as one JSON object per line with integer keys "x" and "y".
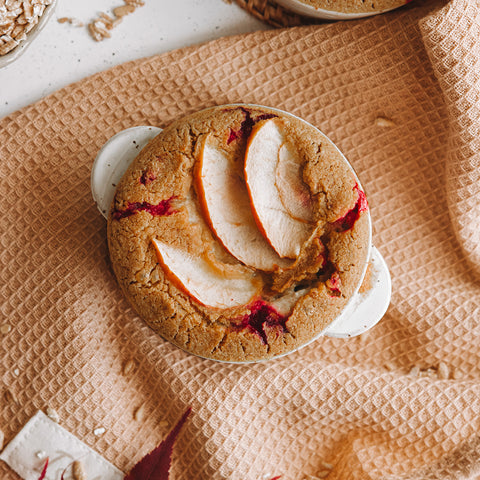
{"x": 62, "y": 53}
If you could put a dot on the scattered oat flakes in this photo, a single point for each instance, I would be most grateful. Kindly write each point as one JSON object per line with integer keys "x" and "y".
{"x": 78, "y": 471}
{"x": 457, "y": 374}
{"x": 123, "y": 10}
{"x": 7, "y": 46}
{"x": 28, "y": 11}
{"x": 327, "y": 466}
{"x": 429, "y": 372}
{"x": 384, "y": 122}
{"x": 10, "y": 396}
{"x": 100, "y": 26}
{"x": 97, "y": 36}
{"x": 75, "y": 22}
{"x": 2, "y": 439}
{"x": 414, "y": 371}
{"x": 99, "y": 431}
{"x": 163, "y": 424}
{"x": 128, "y": 367}
{"x": 135, "y": 3}
{"x": 107, "y": 20}
{"x": 5, "y": 328}
{"x": 318, "y": 476}
{"x": 443, "y": 371}
{"x": 53, "y": 415}
{"x": 139, "y": 413}
{"x": 323, "y": 473}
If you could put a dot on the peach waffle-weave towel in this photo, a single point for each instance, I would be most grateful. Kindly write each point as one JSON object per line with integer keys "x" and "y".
{"x": 354, "y": 404}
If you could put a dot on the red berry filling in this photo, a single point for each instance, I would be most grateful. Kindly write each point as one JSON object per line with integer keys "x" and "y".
{"x": 348, "y": 220}
{"x": 262, "y": 315}
{"x": 164, "y": 208}
{"x": 246, "y": 126}
{"x": 322, "y": 258}
{"x": 147, "y": 177}
{"x": 333, "y": 284}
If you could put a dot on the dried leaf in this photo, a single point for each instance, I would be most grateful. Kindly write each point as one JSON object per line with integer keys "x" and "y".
{"x": 44, "y": 471}
{"x": 156, "y": 464}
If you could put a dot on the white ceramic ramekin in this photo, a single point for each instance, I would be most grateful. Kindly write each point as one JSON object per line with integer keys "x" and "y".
{"x": 363, "y": 311}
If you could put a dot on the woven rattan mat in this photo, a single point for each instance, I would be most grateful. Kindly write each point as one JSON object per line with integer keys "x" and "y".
{"x": 274, "y": 14}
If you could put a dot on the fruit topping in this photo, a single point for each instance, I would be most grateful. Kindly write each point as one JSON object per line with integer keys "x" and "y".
{"x": 226, "y": 206}
{"x": 263, "y": 317}
{"x": 347, "y": 222}
{"x": 164, "y": 208}
{"x": 198, "y": 278}
{"x": 284, "y": 232}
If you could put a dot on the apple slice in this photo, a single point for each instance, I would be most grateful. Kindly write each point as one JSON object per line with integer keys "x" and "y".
{"x": 294, "y": 194}
{"x": 283, "y": 231}
{"x": 197, "y": 278}
{"x": 226, "y": 206}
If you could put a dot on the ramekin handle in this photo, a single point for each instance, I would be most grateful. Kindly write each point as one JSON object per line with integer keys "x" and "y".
{"x": 113, "y": 160}
{"x": 366, "y": 309}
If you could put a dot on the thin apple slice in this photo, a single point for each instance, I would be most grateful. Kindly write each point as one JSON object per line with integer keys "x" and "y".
{"x": 285, "y": 233}
{"x": 197, "y": 278}
{"x": 294, "y": 194}
{"x": 226, "y": 205}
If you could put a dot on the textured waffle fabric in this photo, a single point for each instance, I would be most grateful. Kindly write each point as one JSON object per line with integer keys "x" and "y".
{"x": 352, "y": 403}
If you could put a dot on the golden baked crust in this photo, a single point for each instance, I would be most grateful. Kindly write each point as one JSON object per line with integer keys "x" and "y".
{"x": 157, "y": 198}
